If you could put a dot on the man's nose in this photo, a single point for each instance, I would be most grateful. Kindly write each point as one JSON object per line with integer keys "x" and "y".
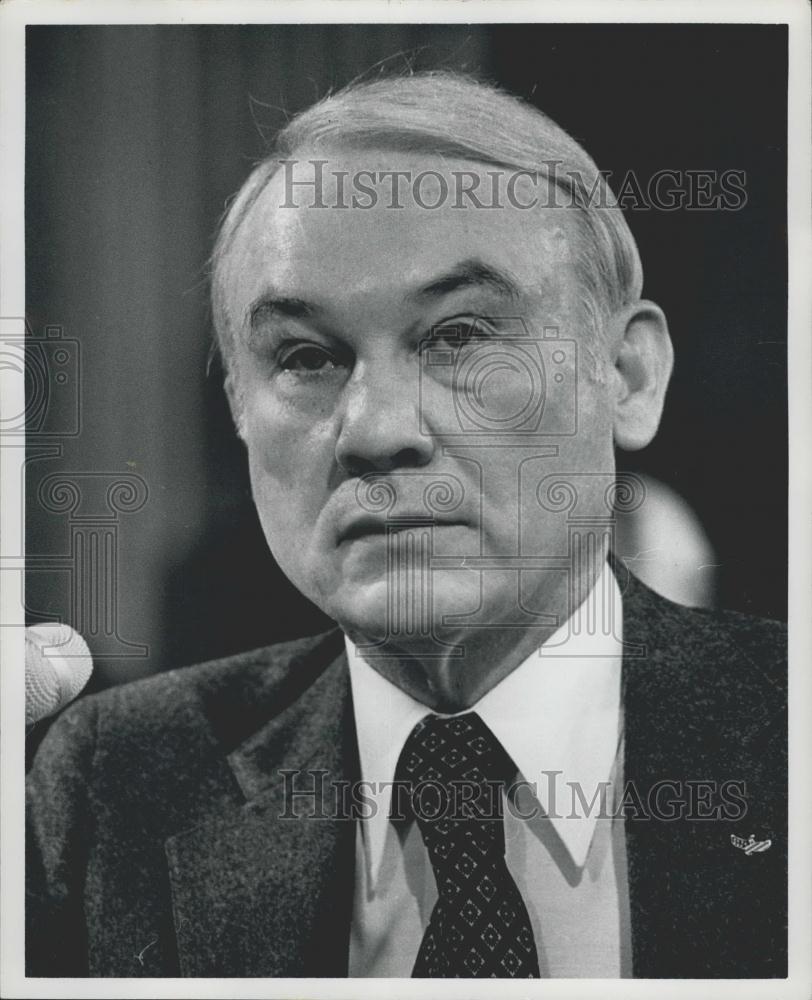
{"x": 380, "y": 427}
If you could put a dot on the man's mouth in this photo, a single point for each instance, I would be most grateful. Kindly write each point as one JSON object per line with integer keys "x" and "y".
{"x": 372, "y": 527}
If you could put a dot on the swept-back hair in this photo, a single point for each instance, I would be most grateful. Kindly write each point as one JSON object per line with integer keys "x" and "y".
{"x": 455, "y": 115}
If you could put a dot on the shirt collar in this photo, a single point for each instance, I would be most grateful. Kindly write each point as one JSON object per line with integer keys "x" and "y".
{"x": 558, "y": 711}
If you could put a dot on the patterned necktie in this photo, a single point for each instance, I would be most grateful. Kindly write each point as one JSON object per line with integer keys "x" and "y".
{"x": 455, "y": 770}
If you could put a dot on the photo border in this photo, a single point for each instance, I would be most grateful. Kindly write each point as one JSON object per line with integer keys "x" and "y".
{"x": 14, "y": 16}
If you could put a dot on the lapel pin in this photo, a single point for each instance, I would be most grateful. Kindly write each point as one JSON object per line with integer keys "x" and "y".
{"x": 751, "y": 846}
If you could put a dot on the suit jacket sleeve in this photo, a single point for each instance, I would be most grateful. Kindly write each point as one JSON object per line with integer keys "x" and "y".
{"x": 59, "y": 832}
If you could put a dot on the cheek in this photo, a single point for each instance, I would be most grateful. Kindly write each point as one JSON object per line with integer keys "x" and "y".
{"x": 273, "y": 480}
{"x": 593, "y": 444}
{"x": 289, "y": 462}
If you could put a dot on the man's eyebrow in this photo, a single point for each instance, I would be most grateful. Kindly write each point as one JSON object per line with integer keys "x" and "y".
{"x": 471, "y": 273}
{"x": 285, "y": 306}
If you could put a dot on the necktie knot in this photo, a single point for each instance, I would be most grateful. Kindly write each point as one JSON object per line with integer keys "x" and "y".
{"x": 460, "y": 747}
{"x": 455, "y": 770}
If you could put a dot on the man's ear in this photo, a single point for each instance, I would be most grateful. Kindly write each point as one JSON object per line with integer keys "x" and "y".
{"x": 235, "y": 402}
{"x": 643, "y": 359}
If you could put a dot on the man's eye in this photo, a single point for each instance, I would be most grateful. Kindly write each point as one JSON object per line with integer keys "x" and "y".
{"x": 307, "y": 358}
{"x": 459, "y": 331}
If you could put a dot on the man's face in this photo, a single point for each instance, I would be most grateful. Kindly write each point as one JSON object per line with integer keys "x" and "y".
{"x": 390, "y": 369}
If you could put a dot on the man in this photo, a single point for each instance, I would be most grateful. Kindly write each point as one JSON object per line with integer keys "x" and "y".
{"x": 510, "y": 758}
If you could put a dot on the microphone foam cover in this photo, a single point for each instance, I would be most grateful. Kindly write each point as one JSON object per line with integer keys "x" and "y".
{"x": 57, "y": 666}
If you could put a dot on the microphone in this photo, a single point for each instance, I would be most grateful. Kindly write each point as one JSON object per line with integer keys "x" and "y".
{"x": 58, "y": 664}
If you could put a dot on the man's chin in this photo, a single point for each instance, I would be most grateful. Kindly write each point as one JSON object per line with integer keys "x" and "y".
{"x": 379, "y": 612}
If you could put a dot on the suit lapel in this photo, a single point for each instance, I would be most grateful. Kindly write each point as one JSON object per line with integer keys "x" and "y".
{"x": 265, "y": 888}
{"x": 697, "y": 904}
{"x": 654, "y": 750}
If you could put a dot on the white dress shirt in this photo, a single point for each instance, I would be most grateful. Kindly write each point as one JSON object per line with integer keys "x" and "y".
{"x": 558, "y": 711}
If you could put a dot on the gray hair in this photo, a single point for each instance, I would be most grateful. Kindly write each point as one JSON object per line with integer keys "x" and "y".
{"x": 458, "y": 116}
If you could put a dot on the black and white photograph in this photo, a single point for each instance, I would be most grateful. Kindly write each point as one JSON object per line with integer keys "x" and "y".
{"x": 406, "y": 485}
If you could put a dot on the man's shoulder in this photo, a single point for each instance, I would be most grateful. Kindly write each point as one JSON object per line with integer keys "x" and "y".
{"x": 228, "y": 698}
{"x": 721, "y": 623}
{"x": 763, "y": 638}
{"x": 713, "y": 650}
{"x": 701, "y": 624}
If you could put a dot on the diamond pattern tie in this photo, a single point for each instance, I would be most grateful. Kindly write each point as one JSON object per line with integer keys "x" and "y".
{"x": 455, "y": 769}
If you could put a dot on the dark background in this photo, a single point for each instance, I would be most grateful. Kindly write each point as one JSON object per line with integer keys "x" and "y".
{"x": 136, "y": 137}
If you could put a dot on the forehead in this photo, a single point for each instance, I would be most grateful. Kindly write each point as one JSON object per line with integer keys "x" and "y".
{"x": 348, "y": 230}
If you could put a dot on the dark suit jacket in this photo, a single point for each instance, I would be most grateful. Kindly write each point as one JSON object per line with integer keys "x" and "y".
{"x": 157, "y": 847}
